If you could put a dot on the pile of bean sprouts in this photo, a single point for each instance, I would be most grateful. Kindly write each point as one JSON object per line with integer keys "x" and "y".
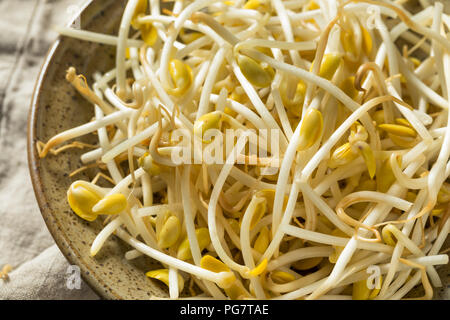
{"x": 359, "y": 93}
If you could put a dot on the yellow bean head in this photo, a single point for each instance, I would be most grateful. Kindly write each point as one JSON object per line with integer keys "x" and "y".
{"x": 330, "y": 63}
{"x": 388, "y": 237}
{"x": 312, "y": 5}
{"x": 342, "y": 155}
{"x": 82, "y": 199}
{"x": 403, "y": 122}
{"x": 444, "y": 193}
{"x": 146, "y": 162}
{"x": 337, "y": 249}
{"x": 188, "y": 37}
{"x": 260, "y": 211}
{"x": 182, "y": 77}
{"x": 293, "y": 102}
{"x": 259, "y": 269}
{"x": 163, "y": 276}
{"x": 348, "y": 86}
{"x": 307, "y": 264}
{"x": 399, "y": 130}
{"x": 148, "y": 33}
{"x": 110, "y": 205}
{"x": 184, "y": 250}
{"x": 141, "y": 9}
{"x": 369, "y": 158}
{"x": 311, "y": 129}
{"x": 212, "y": 264}
{"x": 206, "y": 122}
{"x": 256, "y": 73}
{"x": 385, "y": 177}
{"x": 263, "y": 240}
{"x": 378, "y": 116}
{"x": 367, "y": 43}
{"x": 252, "y": 4}
{"x": 282, "y": 277}
{"x": 236, "y": 292}
{"x": 348, "y": 42}
{"x": 361, "y": 290}
{"x": 170, "y": 232}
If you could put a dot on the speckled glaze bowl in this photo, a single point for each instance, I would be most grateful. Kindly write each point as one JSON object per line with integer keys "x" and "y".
{"x": 56, "y": 107}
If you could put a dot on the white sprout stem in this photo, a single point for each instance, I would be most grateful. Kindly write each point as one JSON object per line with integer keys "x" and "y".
{"x": 190, "y": 227}
{"x": 115, "y": 100}
{"x": 403, "y": 180}
{"x": 124, "y": 29}
{"x": 173, "y": 283}
{"x": 131, "y": 142}
{"x": 194, "y": 45}
{"x": 298, "y": 46}
{"x": 287, "y": 29}
{"x": 439, "y": 242}
{"x": 104, "y": 142}
{"x": 147, "y": 190}
{"x": 412, "y": 247}
{"x": 171, "y": 261}
{"x": 333, "y": 240}
{"x": 122, "y": 186}
{"x": 216, "y": 63}
{"x": 362, "y": 196}
{"x": 375, "y": 214}
{"x": 87, "y": 128}
{"x": 147, "y": 233}
{"x": 413, "y": 281}
{"x": 282, "y": 113}
{"x": 436, "y": 176}
{"x": 242, "y": 110}
{"x": 95, "y": 37}
{"x": 301, "y": 282}
{"x": 212, "y": 208}
{"x": 157, "y": 209}
{"x": 424, "y": 89}
{"x": 256, "y": 100}
{"x": 399, "y": 246}
{"x": 166, "y": 52}
{"x": 245, "y": 244}
{"x": 106, "y": 232}
{"x": 436, "y": 48}
{"x": 132, "y": 254}
{"x": 430, "y": 260}
{"x": 326, "y": 147}
{"x": 391, "y": 52}
{"x": 299, "y": 254}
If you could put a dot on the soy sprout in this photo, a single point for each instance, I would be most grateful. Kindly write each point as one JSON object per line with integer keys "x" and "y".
{"x": 340, "y": 162}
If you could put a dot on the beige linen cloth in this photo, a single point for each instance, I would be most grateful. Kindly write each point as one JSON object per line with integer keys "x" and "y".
{"x": 40, "y": 271}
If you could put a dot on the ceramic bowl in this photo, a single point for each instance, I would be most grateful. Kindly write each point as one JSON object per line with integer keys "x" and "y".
{"x": 56, "y": 107}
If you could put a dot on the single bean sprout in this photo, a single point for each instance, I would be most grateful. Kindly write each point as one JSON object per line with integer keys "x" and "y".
{"x": 338, "y": 162}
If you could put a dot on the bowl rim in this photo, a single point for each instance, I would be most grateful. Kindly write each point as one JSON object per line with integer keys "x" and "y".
{"x": 69, "y": 252}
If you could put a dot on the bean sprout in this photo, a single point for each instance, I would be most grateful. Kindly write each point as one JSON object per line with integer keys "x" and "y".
{"x": 339, "y": 160}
